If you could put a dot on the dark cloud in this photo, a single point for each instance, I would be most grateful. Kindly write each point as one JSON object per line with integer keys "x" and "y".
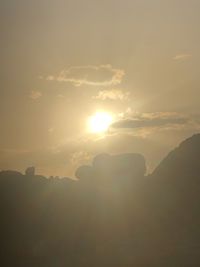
{"x": 148, "y": 122}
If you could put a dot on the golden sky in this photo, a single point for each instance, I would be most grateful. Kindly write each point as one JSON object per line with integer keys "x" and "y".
{"x": 64, "y": 61}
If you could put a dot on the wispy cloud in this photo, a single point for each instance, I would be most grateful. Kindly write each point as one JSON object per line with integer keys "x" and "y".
{"x": 51, "y": 130}
{"x": 182, "y": 56}
{"x": 35, "y": 94}
{"x": 113, "y": 94}
{"x": 102, "y": 75}
{"x": 80, "y": 157}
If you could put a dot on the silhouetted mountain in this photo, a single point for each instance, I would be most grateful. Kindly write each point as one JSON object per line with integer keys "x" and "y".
{"x": 182, "y": 161}
{"x": 112, "y": 215}
{"x": 175, "y": 196}
{"x": 179, "y": 172}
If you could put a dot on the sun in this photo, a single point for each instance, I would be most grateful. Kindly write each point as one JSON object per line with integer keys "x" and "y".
{"x": 100, "y": 122}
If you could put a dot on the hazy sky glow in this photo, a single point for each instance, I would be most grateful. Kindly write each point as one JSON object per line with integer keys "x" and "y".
{"x": 63, "y": 61}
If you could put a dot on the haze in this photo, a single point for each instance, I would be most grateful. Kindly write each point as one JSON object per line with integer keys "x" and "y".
{"x": 64, "y": 61}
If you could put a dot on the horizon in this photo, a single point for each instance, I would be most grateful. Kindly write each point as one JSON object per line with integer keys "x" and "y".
{"x": 32, "y": 170}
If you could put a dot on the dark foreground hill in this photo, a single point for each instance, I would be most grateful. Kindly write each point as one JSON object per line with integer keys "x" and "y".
{"x": 113, "y": 215}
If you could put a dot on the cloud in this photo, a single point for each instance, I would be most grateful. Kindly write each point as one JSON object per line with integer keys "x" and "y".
{"x": 102, "y": 75}
{"x": 182, "y": 56}
{"x": 60, "y": 96}
{"x": 35, "y": 95}
{"x": 151, "y": 120}
{"x": 51, "y": 130}
{"x": 80, "y": 157}
{"x": 113, "y": 94}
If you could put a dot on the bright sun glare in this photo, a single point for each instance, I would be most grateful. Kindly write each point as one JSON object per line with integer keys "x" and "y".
{"x": 100, "y": 122}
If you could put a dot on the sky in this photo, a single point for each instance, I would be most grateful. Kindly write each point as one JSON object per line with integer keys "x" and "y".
{"x": 63, "y": 61}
